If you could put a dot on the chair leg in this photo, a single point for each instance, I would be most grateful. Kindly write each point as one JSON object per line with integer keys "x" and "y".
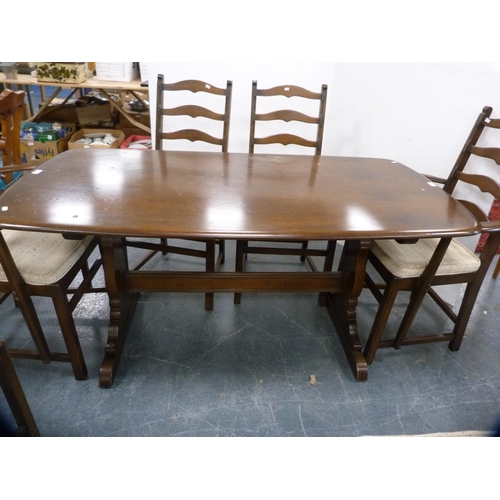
{"x": 240, "y": 259}
{"x": 164, "y": 242}
{"x": 420, "y": 291}
{"x": 416, "y": 300}
{"x": 464, "y": 313}
{"x": 210, "y": 268}
{"x": 304, "y": 248}
{"x": 30, "y": 316}
{"x": 14, "y": 394}
{"x": 85, "y": 268}
{"x": 70, "y": 335}
{"x": 222, "y": 250}
{"x": 330, "y": 255}
{"x": 380, "y": 321}
{"x": 327, "y": 267}
{"x": 497, "y": 269}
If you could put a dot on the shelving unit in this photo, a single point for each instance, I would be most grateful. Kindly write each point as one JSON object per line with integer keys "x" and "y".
{"x": 104, "y": 87}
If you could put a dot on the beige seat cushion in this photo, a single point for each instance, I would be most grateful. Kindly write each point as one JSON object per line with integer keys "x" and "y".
{"x": 410, "y": 260}
{"x": 42, "y": 258}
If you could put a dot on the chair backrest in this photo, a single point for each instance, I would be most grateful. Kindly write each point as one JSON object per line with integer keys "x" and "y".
{"x": 288, "y": 115}
{"x": 194, "y": 111}
{"x": 11, "y": 111}
{"x": 485, "y": 184}
{"x": 470, "y": 148}
{"x": 458, "y": 177}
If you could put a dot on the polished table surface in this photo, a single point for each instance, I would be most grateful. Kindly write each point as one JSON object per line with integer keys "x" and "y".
{"x": 231, "y": 195}
{"x": 142, "y": 193}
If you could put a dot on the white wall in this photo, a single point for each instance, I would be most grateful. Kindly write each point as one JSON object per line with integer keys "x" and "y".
{"x": 417, "y": 113}
{"x": 308, "y": 75}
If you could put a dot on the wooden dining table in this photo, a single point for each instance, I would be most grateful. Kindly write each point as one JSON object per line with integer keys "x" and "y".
{"x": 123, "y": 193}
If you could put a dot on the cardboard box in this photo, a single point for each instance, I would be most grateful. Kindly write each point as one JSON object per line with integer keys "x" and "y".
{"x": 117, "y": 71}
{"x": 142, "y": 117}
{"x": 61, "y": 72}
{"x": 120, "y": 136}
{"x": 95, "y": 111}
{"x": 94, "y": 114}
{"x": 58, "y": 112}
{"x": 43, "y": 150}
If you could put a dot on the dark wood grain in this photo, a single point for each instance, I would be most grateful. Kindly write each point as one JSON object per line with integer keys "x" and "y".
{"x": 232, "y": 195}
{"x": 239, "y": 196}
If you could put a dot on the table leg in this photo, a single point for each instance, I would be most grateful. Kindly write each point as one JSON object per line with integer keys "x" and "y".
{"x": 342, "y": 305}
{"x": 122, "y": 305}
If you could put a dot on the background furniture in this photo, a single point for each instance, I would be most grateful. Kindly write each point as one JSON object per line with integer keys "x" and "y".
{"x": 11, "y": 111}
{"x": 404, "y": 267}
{"x": 195, "y": 112}
{"x": 104, "y": 87}
{"x": 9, "y": 381}
{"x": 273, "y": 98}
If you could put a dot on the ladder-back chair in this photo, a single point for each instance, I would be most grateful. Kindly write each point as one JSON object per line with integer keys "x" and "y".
{"x": 484, "y": 121}
{"x": 41, "y": 264}
{"x": 312, "y": 123}
{"x": 402, "y": 266}
{"x": 196, "y": 115}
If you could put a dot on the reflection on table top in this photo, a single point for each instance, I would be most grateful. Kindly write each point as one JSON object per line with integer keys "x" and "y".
{"x": 231, "y": 195}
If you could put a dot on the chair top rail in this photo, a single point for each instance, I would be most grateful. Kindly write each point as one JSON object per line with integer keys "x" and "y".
{"x": 196, "y": 86}
{"x": 290, "y": 91}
